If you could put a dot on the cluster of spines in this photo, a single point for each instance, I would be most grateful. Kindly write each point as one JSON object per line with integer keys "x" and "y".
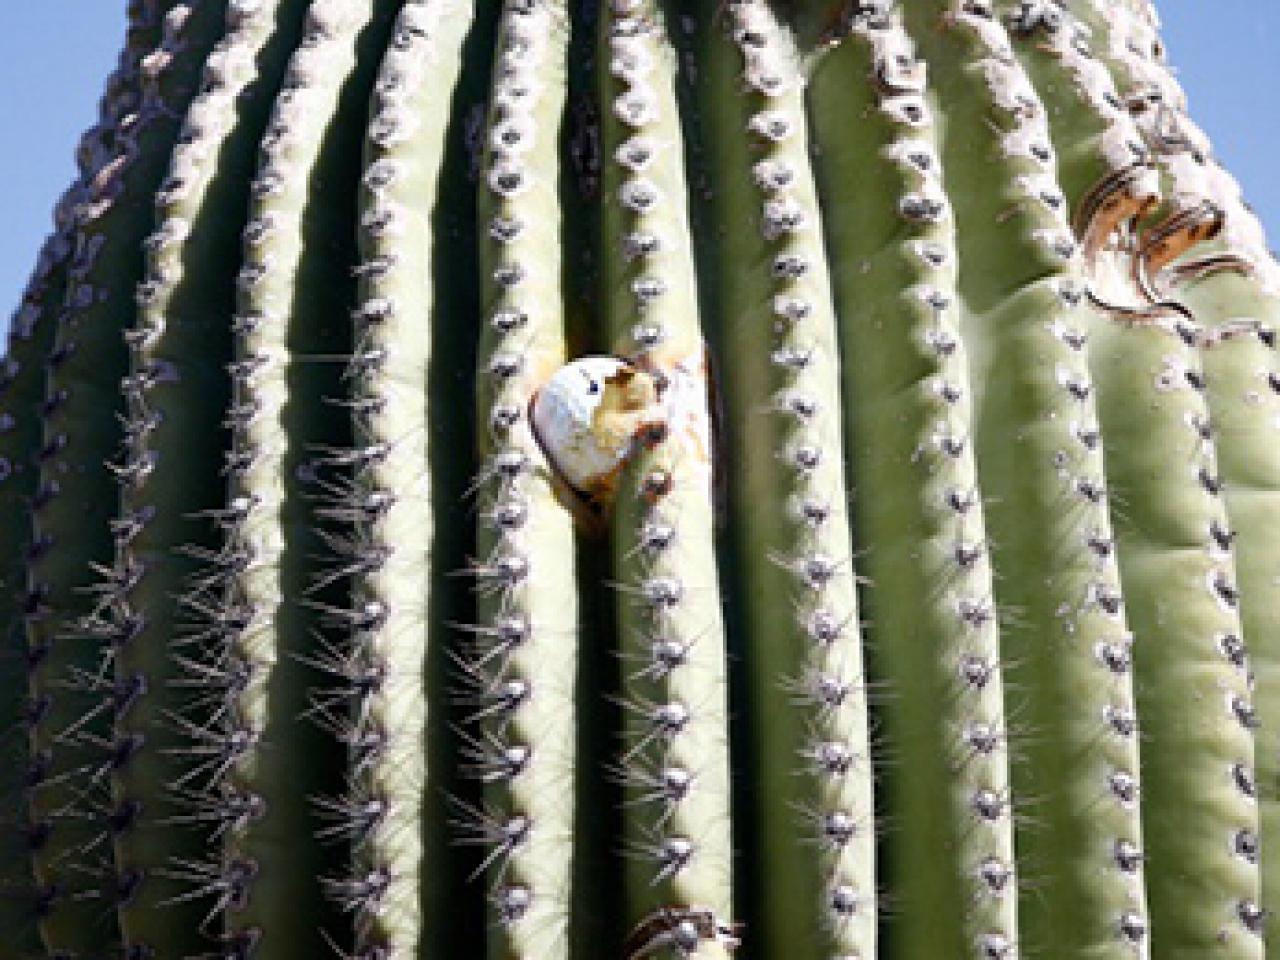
{"x": 173, "y": 805}
{"x": 250, "y": 608}
{"x": 674, "y": 767}
{"x": 117, "y": 677}
{"x": 1103, "y": 165}
{"x": 372, "y": 699}
{"x": 910, "y": 410}
{"x": 1051, "y": 516}
{"x": 382, "y": 523}
{"x": 805, "y": 639}
{"x": 1169, "y": 511}
{"x": 519, "y": 677}
{"x": 978, "y": 726}
{"x": 23, "y": 404}
{"x": 1243, "y": 378}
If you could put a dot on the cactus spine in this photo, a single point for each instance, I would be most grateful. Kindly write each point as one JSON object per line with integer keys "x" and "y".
{"x": 930, "y": 611}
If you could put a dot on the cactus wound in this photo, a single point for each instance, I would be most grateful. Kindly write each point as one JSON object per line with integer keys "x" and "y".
{"x": 588, "y": 418}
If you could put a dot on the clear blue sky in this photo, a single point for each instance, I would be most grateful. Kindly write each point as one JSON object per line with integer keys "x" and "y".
{"x": 54, "y": 55}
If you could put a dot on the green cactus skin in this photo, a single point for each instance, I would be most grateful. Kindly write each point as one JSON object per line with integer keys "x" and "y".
{"x": 1242, "y": 375}
{"x": 73, "y": 745}
{"x": 1035, "y": 437}
{"x": 957, "y": 637}
{"x": 677, "y": 833}
{"x": 22, "y": 394}
{"x": 524, "y": 678}
{"x": 1236, "y": 317}
{"x": 780, "y": 377}
{"x": 180, "y": 346}
{"x": 1197, "y": 754}
{"x": 1177, "y": 563}
{"x": 299, "y": 261}
{"x": 390, "y": 505}
{"x": 403, "y": 809}
{"x": 932, "y": 630}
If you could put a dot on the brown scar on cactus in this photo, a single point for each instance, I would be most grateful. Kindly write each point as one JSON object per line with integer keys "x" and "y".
{"x": 1110, "y": 208}
{"x": 1119, "y": 197}
{"x": 1170, "y": 239}
{"x": 1180, "y": 274}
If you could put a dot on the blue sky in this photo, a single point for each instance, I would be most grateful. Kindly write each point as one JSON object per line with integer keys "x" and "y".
{"x": 54, "y": 55}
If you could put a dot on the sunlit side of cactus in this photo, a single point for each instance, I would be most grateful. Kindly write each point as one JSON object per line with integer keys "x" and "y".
{"x": 545, "y": 479}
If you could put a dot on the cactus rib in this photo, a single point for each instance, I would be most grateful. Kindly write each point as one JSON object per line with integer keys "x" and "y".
{"x": 909, "y": 407}
{"x": 777, "y": 336}
{"x": 71, "y": 622}
{"x": 656, "y": 479}
{"x": 677, "y": 835}
{"x": 523, "y": 676}
{"x": 1041, "y": 462}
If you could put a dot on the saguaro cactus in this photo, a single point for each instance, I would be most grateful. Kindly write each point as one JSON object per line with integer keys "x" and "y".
{"x": 630, "y": 478}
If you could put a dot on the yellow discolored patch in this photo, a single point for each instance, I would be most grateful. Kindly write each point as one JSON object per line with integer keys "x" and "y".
{"x": 628, "y": 406}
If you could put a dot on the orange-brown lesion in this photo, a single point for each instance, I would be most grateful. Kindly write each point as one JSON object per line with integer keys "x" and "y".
{"x": 1168, "y": 240}
{"x": 1120, "y": 197}
{"x": 1105, "y": 222}
{"x": 1190, "y": 271}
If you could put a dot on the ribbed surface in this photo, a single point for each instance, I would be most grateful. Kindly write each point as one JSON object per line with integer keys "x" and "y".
{"x": 932, "y": 610}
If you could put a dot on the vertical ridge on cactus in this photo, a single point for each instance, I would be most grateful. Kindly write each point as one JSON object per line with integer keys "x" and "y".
{"x": 642, "y": 478}
{"x": 778, "y": 344}
{"x": 101, "y": 152}
{"x": 523, "y": 679}
{"x": 78, "y": 597}
{"x": 1080, "y": 695}
{"x": 910, "y": 422}
{"x": 678, "y": 839}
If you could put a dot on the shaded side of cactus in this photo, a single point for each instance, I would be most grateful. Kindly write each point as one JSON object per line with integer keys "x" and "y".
{"x": 23, "y": 400}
